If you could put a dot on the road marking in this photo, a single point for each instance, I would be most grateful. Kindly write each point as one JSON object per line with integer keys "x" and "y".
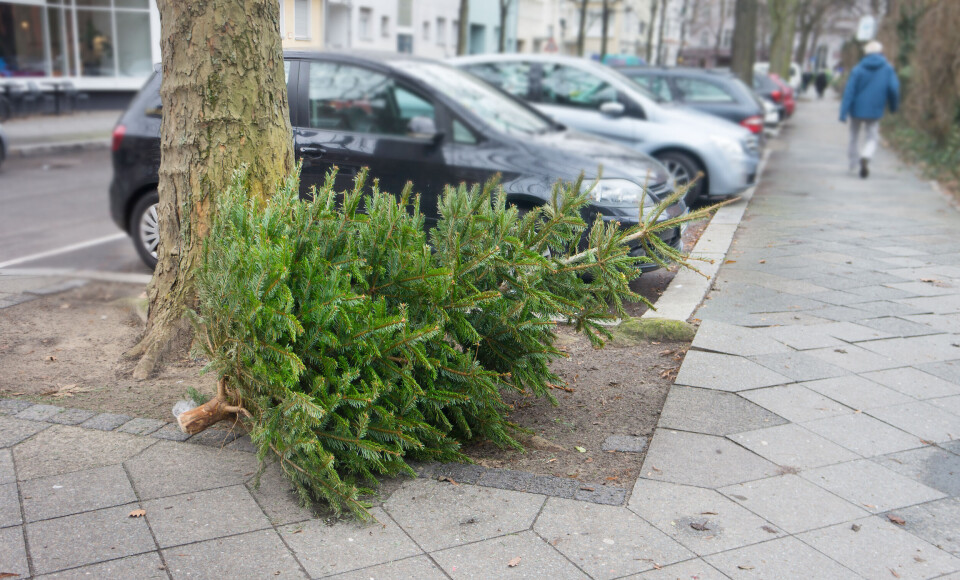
{"x": 64, "y": 249}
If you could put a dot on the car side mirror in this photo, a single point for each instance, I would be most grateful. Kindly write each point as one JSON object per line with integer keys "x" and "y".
{"x": 424, "y": 128}
{"x": 612, "y": 109}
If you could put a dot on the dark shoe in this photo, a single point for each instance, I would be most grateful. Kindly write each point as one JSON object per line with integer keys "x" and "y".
{"x": 864, "y": 170}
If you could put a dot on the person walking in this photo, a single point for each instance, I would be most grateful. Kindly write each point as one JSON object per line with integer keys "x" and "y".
{"x": 821, "y": 83}
{"x": 871, "y": 88}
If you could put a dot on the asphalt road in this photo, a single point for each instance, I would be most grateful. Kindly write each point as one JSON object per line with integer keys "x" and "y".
{"x": 50, "y": 204}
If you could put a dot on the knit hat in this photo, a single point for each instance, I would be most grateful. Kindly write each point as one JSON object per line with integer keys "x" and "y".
{"x": 873, "y": 47}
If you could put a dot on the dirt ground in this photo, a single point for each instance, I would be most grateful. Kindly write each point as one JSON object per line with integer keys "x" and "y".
{"x": 67, "y": 349}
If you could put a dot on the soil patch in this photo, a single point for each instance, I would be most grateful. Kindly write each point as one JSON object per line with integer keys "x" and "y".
{"x": 67, "y": 349}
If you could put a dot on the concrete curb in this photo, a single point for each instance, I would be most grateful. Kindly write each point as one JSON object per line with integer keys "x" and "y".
{"x": 688, "y": 288}
{"x": 59, "y": 147}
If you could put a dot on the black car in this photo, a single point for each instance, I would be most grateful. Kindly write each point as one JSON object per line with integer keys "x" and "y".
{"x": 718, "y": 93}
{"x": 406, "y": 119}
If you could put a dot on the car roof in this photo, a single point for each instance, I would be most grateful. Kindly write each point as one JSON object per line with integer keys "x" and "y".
{"x": 678, "y": 71}
{"x": 383, "y": 59}
{"x": 530, "y": 57}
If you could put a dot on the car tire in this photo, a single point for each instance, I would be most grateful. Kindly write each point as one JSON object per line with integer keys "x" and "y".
{"x": 144, "y": 228}
{"x": 683, "y": 168}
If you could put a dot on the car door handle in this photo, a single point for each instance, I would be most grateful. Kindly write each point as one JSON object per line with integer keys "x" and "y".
{"x": 311, "y": 152}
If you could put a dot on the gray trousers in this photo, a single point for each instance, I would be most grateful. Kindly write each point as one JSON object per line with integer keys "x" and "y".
{"x": 872, "y": 134}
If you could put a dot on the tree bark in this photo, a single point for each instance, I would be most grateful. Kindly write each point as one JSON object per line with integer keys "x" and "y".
{"x": 582, "y": 28}
{"x": 504, "y": 11}
{"x": 605, "y": 29}
{"x": 744, "y": 49}
{"x": 663, "y": 19}
{"x": 464, "y": 29}
{"x": 650, "y": 27}
{"x": 224, "y": 104}
{"x": 783, "y": 19}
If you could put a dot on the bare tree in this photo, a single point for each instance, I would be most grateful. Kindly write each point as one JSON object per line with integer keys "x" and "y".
{"x": 744, "y": 50}
{"x": 720, "y": 27}
{"x": 783, "y": 20}
{"x": 663, "y": 20}
{"x": 582, "y": 28}
{"x": 811, "y": 14}
{"x": 653, "y": 18}
{"x": 462, "y": 40}
{"x": 504, "y": 13}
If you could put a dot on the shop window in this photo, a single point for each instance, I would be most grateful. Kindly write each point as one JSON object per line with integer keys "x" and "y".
{"x": 22, "y": 41}
{"x": 134, "y": 57}
{"x": 95, "y": 32}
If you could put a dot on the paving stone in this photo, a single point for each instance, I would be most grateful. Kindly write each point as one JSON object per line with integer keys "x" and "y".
{"x": 852, "y": 332}
{"x": 786, "y": 501}
{"x": 703, "y": 520}
{"x": 528, "y": 482}
{"x": 838, "y": 297}
{"x": 602, "y": 494}
{"x": 419, "y": 567}
{"x": 781, "y": 558}
{"x": 62, "y": 449}
{"x": 70, "y": 416}
{"x": 840, "y": 313}
{"x": 899, "y": 327}
{"x": 441, "y": 515}
{"x": 949, "y": 404}
{"x": 13, "y": 406}
{"x": 7, "y": 474}
{"x": 871, "y": 486}
{"x": 489, "y": 558}
{"x": 879, "y": 547}
{"x": 854, "y": 359}
{"x": 917, "y": 350}
{"x": 39, "y": 412}
{"x": 726, "y": 338}
{"x": 793, "y": 446}
{"x": 857, "y": 392}
{"x": 952, "y": 446}
{"x": 801, "y": 337}
{"x": 13, "y": 552}
{"x": 881, "y": 293}
{"x": 80, "y": 491}
{"x": 947, "y": 304}
{"x": 934, "y": 323}
{"x": 882, "y": 308}
{"x": 863, "y": 434}
{"x": 59, "y": 287}
{"x": 243, "y": 444}
{"x": 701, "y": 460}
{"x": 947, "y": 370}
{"x": 691, "y": 569}
{"x": 215, "y": 437}
{"x": 935, "y": 522}
{"x": 87, "y": 538}
{"x": 625, "y": 443}
{"x": 254, "y": 555}
{"x": 141, "y": 426}
{"x": 605, "y": 541}
{"x": 725, "y": 372}
{"x": 13, "y": 431}
{"x": 170, "y": 468}
{"x": 931, "y": 466}
{"x": 140, "y": 567}
{"x": 277, "y": 499}
{"x": 926, "y": 421}
{"x": 914, "y": 383}
{"x": 796, "y": 403}
{"x": 460, "y": 472}
{"x": 713, "y": 412}
{"x": 347, "y": 545}
{"x": 204, "y": 515}
{"x": 105, "y": 421}
{"x": 9, "y": 506}
{"x": 798, "y": 366}
{"x": 170, "y": 432}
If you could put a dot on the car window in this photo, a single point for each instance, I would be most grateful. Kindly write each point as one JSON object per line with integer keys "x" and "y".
{"x": 512, "y": 77}
{"x": 700, "y": 91}
{"x": 572, "y": 87}
{"x": 350, "y": 98}
{"x": 463, "y": 135}
{"x": 656, "y": 86}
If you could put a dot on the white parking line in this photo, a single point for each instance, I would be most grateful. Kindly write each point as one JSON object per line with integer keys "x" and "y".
{"x": 64, "y": 249}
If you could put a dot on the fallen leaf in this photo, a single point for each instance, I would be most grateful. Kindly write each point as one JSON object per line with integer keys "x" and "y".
{"x": 700, "y": 527}
{"x": 894, "y": 572}
{"x": 138, "y": 513}
{"x": 745, "y": 567}
{"x": 587, "y": 488}
{"x": 580, "y": 449}
{"x": 856, "y": 527}
{"x": 769, "y": 530}
{"x": 448, "y": 479}
{"x": 730, "y": 262}
{"x": 65, "y": 391}
{"x": 709, "y": 514}
{"x": 870, "y": 505}
{"x": 925, "y": 442}
{"x": 763, "y": 261}
{"x": 551, "y": 460}
{"x": 8, "y": 575}
{"x": 919, "y": 559}
{"x": 896, "y": 519}
{"x": 514, "y": 563}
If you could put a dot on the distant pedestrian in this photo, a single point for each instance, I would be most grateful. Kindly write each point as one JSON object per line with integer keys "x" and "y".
{"x": 871, "y": 88}
{"x": 821, "y": 83}
{"x": 805, "y": 79}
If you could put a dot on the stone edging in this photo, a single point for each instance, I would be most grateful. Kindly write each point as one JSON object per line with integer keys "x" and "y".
{"x": 59, "y": 147}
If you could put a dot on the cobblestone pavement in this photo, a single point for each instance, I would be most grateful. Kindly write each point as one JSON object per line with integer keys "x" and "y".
{"x": 811, "y": 434}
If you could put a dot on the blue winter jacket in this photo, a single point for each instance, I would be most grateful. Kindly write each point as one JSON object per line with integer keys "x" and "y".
{"x": 872, "y": 86}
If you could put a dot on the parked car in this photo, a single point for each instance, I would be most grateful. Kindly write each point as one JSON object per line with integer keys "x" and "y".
{"x": 789, "y": 103}
{"x": 591, "y": 97}
{"x": 769, "y": 89}
{"x": 771, "y": 115}
{"x": 795, "y": 78}
{"x": 4, "y": 148}
{"x": 717, "y": 93}
{"x": 407, "y": 119}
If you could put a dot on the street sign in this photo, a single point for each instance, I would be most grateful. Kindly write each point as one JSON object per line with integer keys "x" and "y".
{"x": 867, "y": 28}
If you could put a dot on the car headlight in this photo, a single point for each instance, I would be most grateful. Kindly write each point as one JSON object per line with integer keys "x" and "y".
{"x": 619, "y": 191}
{"x": 729, "y": 147}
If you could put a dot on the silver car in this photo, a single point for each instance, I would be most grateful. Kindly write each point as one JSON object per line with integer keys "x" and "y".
{"x": 594, "y": 98}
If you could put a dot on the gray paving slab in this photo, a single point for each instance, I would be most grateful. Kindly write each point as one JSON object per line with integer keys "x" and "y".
{"x": 725, "y": 372}
{"x": 781, "y": 558}
{"x": 87, "y": 538}
{"x": 854, "y": 358}
{"x": 882, "y": 308}
{"x": 13, "y": 431}
{"x": 204, "y": 515}
{"x": 786, "y": 501}
{"x": 934, "y": 323}
{"x": 218, "y": 438}
{"x": 952, "y": 446}
{"x": 39, "y": 412}
{"x": 701, "y": 460}
{"x": 624, "y": 443}
{"x": 141, "y": 567}
{"x": 62, "y": 449}
{"x": 13, "y": 406}
{"x": 492, "y": 558}
{"x": 871, "y": 486}
{"x": 796, "y": 403}
{"x": 441, "y": 514}
{"x": 716, "y": 336}
{"x": 79, "y": 491}
{"x": 896, "y": 326}
{"x": 799, "y": 366}
{"x": 801, "y": 337}
{"x": 141, "y": 426}
{"x": 946, "y": 370}
{"x": 105, "y": 421}
{"x": 713, "y": 412}
{"x": 857, "y": 392}
{"x": 419, "y": 567}
{"x": 13, "y": 552}
{"x": 7, "y": 474}
{"x": 170, "y": 432}
{"x": 70, "y": 416}
{"x": 601, "y": 494}
{"x": 9, "y": 506}
{"x": 930, "y": 465}
{"x": 792, "y": 446}
{"x": 529, "y": 482}
{"x": 914, "y": 383}
{"x": 935, "y": 522}
{"x": 922, "y": 419}
{"x": 863, "y": 434}
{"x": 605, "y": 541}
{"x": 460, "y": 472}
{"x": 242, "y": 443}
{"x": 347, "y": 545}
{"x": 946, "y": 304}
{"x": 695, "y": 569}
{"x": 880, "y": 548}
{"x": 917, "y": 350}
{"x": 276, "y": 498}
{"x": 170, "y": 468}
{"x": 254, "y": 555}
{"x": 841, "y": 313}
{"x": 703, "y": 520}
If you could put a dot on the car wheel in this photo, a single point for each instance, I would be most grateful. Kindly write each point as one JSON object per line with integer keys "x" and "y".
{"x": 683, "y": 169}
{"x": 145, "y": 228}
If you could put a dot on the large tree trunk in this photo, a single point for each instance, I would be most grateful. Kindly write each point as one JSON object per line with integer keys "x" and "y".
{"x": 783, "y": 19}
{"x": 464, "y": 28}
{"x": 582, "y": 27}
{"x": 744, "y": 49}
{"x": 224, "y": 104}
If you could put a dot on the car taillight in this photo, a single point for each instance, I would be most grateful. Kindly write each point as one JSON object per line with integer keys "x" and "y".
{"x": 118, "y": 134}
{"x": 775, "y": 95}
{"x": 755, "y": 123}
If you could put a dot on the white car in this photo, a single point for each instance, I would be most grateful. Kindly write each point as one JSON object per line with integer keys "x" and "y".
{"x": 796, "y": 75}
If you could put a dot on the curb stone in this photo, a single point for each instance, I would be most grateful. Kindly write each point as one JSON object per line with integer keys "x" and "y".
{"x": 59, "y": 147}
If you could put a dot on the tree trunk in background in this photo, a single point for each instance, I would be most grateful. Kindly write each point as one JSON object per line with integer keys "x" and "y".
{"x": 650, "y": 27}
{"x": 719, "y": 38}
{"x": 504, "y": 11}
{"x": 464, "y": 27}
{"x": 606, "y": 27}
{"x": 783, "y": 19}
{"x": 683, "y": 24}
{"x": 224, "y": 104}
{"x": 663, "y": 18}
{"x": 744, "y": 50}
{"x": 582, "y": 27}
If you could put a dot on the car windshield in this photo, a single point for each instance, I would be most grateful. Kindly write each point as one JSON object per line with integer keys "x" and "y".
{"x": 494, "y": 107}
{"x": 651, "y": 86}
{"x": 632, "y": 83}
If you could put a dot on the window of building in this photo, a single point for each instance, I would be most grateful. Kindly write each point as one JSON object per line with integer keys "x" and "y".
{"x": 426, "y": 30}
{"x": 301, "y": 19}
{"x": 365, "y": 24}
{"x": 441, "y": 31}
{"x": 405, "y": 43}
{"x": 455, "y": 31}
{"x": 727, "y": 37}
{"x": 704, "y": 38}
{"x": 405, "y": 13}
{"x": 385, "y": 26}
{"x": 643, "y": 27}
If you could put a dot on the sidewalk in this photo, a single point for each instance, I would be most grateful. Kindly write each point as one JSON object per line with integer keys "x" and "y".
{"x": 810, "y": 434}
{"x": 46, "y": 133}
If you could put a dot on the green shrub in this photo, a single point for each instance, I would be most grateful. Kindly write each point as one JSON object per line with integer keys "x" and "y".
{"x": 354, "y": 340}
